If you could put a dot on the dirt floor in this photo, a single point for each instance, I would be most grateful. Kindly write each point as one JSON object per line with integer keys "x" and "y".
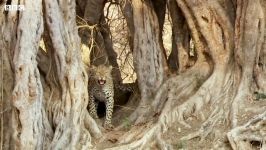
{"x": 176, "y": 132}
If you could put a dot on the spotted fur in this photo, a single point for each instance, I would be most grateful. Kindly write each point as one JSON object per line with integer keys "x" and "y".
{"x": 101, "y": 87}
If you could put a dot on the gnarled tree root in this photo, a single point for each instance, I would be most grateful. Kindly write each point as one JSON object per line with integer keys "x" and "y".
{"x": 241, "y": 137}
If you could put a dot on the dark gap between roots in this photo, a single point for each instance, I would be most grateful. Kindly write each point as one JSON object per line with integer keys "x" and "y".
{"x": 120, "y": 100}
{"x": 256, "y": 144}
{"x": 101, "y": 109}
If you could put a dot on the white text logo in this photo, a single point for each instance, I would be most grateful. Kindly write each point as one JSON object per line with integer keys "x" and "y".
{"x": 14, "y": 7}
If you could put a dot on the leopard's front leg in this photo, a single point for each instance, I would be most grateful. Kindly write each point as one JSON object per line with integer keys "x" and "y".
{"x": 109, "y": 112}
{"x": 92, "y": 107}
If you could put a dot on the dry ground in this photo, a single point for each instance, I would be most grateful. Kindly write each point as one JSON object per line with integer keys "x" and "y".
{"x": 175, "y": 133}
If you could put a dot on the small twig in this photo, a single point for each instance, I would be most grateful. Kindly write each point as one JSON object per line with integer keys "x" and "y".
{"x": 88, "y": 26}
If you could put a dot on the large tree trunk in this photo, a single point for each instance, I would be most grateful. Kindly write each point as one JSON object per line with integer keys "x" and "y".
{"x": 31, "y": 129}
{"x": 149, "y": 60}
{"x": 7, "y": 43}
{"x": 217, "y": 87}
{"x": 6, "y": 86}
{"x": 70, "y": 111}
{"x": 213, "y": 95}
{"x": 66, "y": 104}
{"x": 249, "y": 38}
{"x": 260, "y": 73}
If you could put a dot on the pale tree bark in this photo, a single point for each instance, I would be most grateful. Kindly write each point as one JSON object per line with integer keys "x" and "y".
{"x": 218, "y": 84}
{"x": 67, "y": 98}
{"x": 215, "y": 91}
{"x": 70, "y": 111}
{"x": 253, "y": 130}
{"x": 260, "y": 73}
{"x": 30, "y": 127}
{"x": 250, "y": 32}
{"x": 7, "y": 43}
{"x": 249, "y": 38}
{"x": 149, "y": 60}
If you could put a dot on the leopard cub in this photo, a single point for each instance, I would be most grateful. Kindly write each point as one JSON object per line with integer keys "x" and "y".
{"x": 101, "y": 88}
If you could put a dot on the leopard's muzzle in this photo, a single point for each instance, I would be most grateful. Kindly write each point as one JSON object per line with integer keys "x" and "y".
{"x": 101, "y": 81}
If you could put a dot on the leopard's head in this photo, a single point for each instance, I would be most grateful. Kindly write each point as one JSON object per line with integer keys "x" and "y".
{"x": 102, "y": 74}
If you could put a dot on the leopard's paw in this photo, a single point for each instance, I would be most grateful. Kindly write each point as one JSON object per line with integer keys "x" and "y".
{"x": 108, "y": 126}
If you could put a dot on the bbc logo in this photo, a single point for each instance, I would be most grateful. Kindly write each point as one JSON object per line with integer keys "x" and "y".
{"x": 14, "y": 8}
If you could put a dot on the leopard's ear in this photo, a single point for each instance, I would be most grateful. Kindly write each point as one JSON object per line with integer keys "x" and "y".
{"x": 92, "y": 68}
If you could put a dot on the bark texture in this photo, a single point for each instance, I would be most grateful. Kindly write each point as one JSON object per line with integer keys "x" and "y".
{"x": 217, "y": 86}
{"x": 31, "y": 129}
{"x": 7, "y": 40}
{"x": 148, "y": 56}
{"x": 179, "y": 57}
{"x": 209, "y": 97}
{"x": 70, "y": 111}
{"x": 249, "y": 38}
